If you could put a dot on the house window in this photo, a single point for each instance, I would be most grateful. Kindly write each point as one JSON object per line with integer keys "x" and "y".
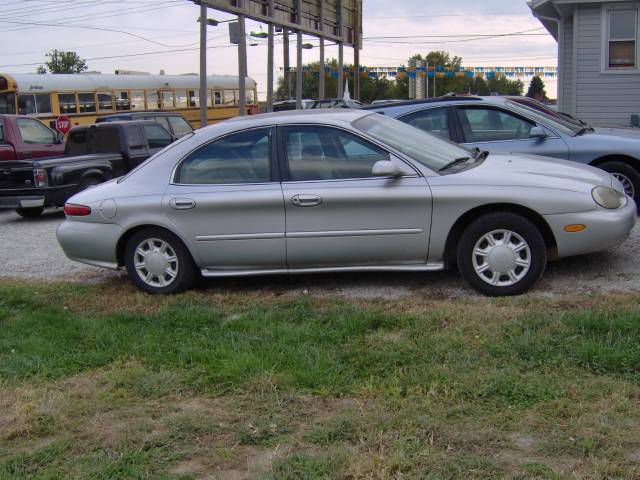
{"x": 622, "y": 38}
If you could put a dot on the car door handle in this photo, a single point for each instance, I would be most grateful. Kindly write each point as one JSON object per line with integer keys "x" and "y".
{"x": 306, "y": 200}
{"x": 182, "y": 203}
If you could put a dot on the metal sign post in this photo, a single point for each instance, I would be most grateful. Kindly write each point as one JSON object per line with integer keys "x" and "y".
{"x": 242, "y": 62}
{"x": 270, "y": 60}
{"x": 321, "y": 88}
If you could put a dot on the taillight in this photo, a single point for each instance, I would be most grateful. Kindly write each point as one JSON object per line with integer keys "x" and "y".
{"x": 40, "y": 178}
{"x": 76, "y": 210}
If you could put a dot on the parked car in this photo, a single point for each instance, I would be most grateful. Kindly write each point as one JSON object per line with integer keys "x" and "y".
{"x": 290, "y": 105}
{"x": 387, "y": 101}
{"x": 98, "y": 153}
{"x": 362, "y": 192}
{"x": 173, "y": 122}
{"x": 335, "y": 103}
{"x": 501, "y": 125}
{"x": 22, "y": 137}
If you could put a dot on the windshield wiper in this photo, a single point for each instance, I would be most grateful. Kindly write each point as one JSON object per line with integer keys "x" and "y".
{"x": 457, "y": 161}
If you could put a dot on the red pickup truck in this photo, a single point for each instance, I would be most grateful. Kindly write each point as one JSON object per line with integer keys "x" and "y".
{"x": 25, "y": 138}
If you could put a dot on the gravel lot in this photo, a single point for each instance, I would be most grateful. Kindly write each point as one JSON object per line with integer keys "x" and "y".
{"x": 32, "y": 252}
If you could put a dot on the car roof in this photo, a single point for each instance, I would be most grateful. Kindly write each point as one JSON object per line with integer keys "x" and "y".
{"x": 140, "y": 114}
{"x": 427, "y": 101}
{"x": 301, "y": 116}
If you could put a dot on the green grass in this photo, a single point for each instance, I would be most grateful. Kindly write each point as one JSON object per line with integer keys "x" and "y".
{"x": 104, "y": 382}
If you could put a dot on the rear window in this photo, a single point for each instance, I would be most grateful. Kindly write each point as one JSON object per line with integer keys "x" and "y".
{"x": 76, "y": 142}
{"x": 104, "y": 140}
{"x": 180, "y": 126}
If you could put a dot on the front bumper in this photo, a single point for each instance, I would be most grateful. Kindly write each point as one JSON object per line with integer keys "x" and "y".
{"x": 605, "y": 229}
{"x": 89, "y": 242}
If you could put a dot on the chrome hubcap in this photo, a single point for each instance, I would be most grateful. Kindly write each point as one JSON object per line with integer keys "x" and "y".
{"x": 156, "y": 262}
{"x": 501, "y": 258}
{"x": 626, "y": 182}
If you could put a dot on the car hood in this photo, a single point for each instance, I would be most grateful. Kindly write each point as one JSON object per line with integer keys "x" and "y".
{"x": 533, "y": 171}
{"x": 618, "y": 131}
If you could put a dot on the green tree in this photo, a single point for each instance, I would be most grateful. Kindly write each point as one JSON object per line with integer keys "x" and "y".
{"x": 63, "y": 62}
{"x": 41, "y": 70}
{"x": 537, "y": 89}
{"x": 370, "y": 88}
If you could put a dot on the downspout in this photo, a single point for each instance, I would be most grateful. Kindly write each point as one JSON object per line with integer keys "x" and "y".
{"x": 560, "y": 23}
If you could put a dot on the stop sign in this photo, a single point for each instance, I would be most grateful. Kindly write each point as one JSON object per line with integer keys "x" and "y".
{"x": 63, "y": 124}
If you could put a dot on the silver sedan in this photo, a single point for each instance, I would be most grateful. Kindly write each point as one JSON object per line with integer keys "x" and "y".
{"x": 336, "y": 191}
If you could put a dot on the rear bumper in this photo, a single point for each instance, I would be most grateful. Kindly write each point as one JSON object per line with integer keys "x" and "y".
{"x": 90, "y": 243}
{"x": 36, "y": 197}
{"x": 605, "y": 229}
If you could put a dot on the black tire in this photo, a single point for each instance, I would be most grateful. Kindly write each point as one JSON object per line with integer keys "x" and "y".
{"x": 32, "y": 212}
{"x": 621, "y": 169}
{"x": 186, "y": 268}
{"x": 89, "y": 182}
{"x": 492, "y": 222}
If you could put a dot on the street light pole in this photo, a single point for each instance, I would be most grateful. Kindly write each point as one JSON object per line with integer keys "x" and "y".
{"x": 242, "y": 62}
{"x": 299, "y": 56}
{"x": 203, "y": 65}
{"x": 321, "y": 79}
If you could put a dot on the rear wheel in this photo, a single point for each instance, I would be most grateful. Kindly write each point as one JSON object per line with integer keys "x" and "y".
{"x": 32, "y": 212}
{"x": 158, "y": 262}
{"x": 502, "y": 254}
{"x": 627, "y": 175}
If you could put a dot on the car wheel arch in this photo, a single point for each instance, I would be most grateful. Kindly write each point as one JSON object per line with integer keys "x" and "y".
{"x": 121, "y": 245}
{"x": 469, "y": 216}
{"x": 627, "y": 159}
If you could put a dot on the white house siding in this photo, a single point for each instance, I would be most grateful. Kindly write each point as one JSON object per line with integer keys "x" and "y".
{"x": 565, "y": 92}
{"x": 602, "y": 98}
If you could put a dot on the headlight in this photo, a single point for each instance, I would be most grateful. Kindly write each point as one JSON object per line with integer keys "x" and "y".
{"x": 609, "y": 198}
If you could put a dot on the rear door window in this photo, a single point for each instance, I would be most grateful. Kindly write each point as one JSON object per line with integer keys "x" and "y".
{"x": 432, "y": 120}
{"x": 76, "y": 142}
{"x": 157, "y": 136}
{"x": 104, "y": 140}
{"x": 492, "y": 125}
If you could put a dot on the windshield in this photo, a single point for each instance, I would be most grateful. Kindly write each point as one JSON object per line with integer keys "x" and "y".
{"x": 7, "y": 103}
{"x": 557, "y": 122}
{"x": 431, "y": 151}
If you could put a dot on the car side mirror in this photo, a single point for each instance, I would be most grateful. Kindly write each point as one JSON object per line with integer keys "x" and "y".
{"x": 538, "y": 133}
{"x": 386, "y": 168}
{"x": 59, "y": 138}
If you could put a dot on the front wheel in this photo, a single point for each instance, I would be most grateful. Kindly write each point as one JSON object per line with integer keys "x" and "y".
{"x": 627, "y": 175}
{"x": 501, "y": 254}
{"x": 32, "y": 212}
{"x": 158, "y": 262}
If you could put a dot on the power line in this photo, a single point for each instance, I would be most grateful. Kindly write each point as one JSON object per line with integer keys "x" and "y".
{"x": 519, "y": 14}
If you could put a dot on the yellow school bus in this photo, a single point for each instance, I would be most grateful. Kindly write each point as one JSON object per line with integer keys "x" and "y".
{"x": 82, "y": 97}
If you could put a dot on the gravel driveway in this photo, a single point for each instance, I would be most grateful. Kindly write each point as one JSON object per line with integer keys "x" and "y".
{"x": 32, "y": 252}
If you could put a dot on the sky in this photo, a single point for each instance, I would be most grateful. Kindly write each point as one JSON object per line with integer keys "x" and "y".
{"x": 164, "y": 35}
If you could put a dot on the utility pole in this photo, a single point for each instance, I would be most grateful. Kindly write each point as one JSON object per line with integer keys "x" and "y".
{"x": 427, "y": 76}
{"x": 287, "y": 63}
{"x": 356, "y": 58}
{"x": 340, "y": 52}
{"x": 270, "y": 60}
{"x": 242, "y": 62}
{"x": 321, "y": 73}
{"x": 203, "y": 65}
{"x": 299, "y": 56}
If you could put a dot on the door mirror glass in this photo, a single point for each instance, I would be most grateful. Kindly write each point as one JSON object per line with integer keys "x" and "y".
{"x": 386, "y": 168}
{"x": 538, "y": 133}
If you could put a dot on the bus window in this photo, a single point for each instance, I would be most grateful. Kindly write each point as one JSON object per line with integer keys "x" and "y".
{"x": 34, "y": 104}
{"x": 87, "y": 102}
{"x": 217, "y": 98}
{"x": 122, "y": 101}
{"x": 152, "y": 100}
{"x": 181, "y": 99}
{"x": 7, "y": 103}
{"x": 250, "y": 97}
{"x": 167, "y": 100}
{"x": 209, "y": 99}
{"x": 105, "y": 101}
{"x": 137, "y": 100}
{"x": 67, "y": 102}
{"x": 194, "y": 99}
{"x": 229, "y": 98}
